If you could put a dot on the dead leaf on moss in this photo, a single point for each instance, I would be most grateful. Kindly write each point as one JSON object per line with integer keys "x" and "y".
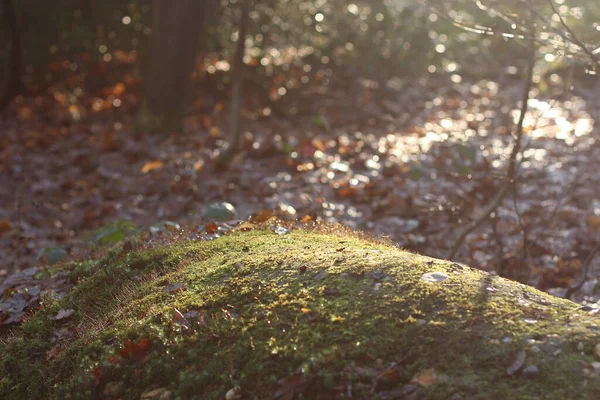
{"x": 289, "y": 386}
{"x": 434, "y": 277}
{"x": 211, "y": 228}
{"x": 160, "y": 393}
{"x": 137, "y": 351}
{"x": 425, "y": 378}
{"x": 389, "y": 376}
{"x": 262, "y": 216}
{"x": 62, "y": 314}
{"x": 233, "y": 393}
{"x": 517, "y": 363}
{"x": 174, "y": 288}
{"x": 597, "y": 351}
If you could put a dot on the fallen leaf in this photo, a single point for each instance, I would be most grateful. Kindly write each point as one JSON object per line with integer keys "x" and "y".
{"x": 425, "y": 378}
{"x": 136, "y": 351}
{"x": 62, "y": 314}
{"x": 14, "y": 318}
{"x": 211, "y": 228}
{"x": 14, "y": 304}
{"x": 174, "y": 288}
{"x": 597, "y": 351}
{"x": 280, "y": 230}
{"x": 390, "y": 376}
{"x": 160, "y": 392}
{"x": 306, "y": 218}
{"x": 262, "y": 216}
{"x": 321, "y": 275}
{"x": 246, "y": 226}
{"x": 5, "y": 226}
{"x": 517, "y": 363}
{"x": 233, "y": 393}
{"x": 434, "y": 277}
{"x": 152, "y": 165}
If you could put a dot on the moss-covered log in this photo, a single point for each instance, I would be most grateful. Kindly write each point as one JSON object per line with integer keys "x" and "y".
{"x": 259, "y": 315}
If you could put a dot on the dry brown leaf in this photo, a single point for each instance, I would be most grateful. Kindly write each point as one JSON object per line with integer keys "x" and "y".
{"x": 597, "y": 351}
{"x": 425, "y": 378}
{"x": 5, "y": 226}
{"x": 152, "y": 165}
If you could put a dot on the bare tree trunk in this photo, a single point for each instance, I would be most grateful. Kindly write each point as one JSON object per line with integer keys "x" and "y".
{"x": 177, "y": 26}
{"x": 238, "y": 78}
{"x": 13, "y": 84}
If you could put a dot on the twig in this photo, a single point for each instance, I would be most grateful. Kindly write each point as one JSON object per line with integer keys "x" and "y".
{"x": 512, "y": 163}
{"x": 569, "y": 40}
{"x": 499, "y": 245}
{"x": 572, "y": 37}
{"x": 585, "y": 271}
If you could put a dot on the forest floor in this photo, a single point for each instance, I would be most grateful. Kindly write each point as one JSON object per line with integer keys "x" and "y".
{"x": 413, "y": 160}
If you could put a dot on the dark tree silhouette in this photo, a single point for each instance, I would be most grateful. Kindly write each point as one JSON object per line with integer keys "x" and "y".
{"x": 15, "y": 66}
{"x": 176, "y": 30}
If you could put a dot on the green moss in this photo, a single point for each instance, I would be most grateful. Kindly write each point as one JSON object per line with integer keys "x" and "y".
{"x": 262, "y": 314}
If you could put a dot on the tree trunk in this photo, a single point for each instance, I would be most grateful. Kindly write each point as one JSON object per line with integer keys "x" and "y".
{"x": 238, "y": 77}
{"x": 13, "y": 75}
{"x": 176, "y": 30}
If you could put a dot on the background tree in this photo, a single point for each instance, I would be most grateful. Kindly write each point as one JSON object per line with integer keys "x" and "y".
{"x": 176, "y": 30}
{"x": 14, "y": 55}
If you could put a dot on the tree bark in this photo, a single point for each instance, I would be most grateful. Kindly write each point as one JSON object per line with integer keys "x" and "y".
{"x": 15, "y": 67}
{"x": 238, "y": 77}
{"x": 175, "y": 35}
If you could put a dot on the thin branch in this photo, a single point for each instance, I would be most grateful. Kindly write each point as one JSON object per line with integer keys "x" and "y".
{"x": 524, "y": 229}
{"x": 512, "y": 163}
{"x": 569, "y": 44}
{"x": 564, "y": 45}
{"x": 572, "y": 37}
{"x": 499, "y": 245}
{"x": 584, "y": 274}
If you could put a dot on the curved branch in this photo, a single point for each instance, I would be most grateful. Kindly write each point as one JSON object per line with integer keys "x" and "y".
{"x": 512, "y": 163}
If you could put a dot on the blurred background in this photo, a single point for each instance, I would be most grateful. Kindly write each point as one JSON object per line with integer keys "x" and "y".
{"x": 395, "y": 117}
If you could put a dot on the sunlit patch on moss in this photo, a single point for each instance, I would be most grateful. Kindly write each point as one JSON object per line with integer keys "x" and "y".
{"x": 314, "y": 313}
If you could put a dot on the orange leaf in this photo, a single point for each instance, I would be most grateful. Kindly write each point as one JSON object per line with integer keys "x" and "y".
{"x": 136, "y": 350}
{"x": 211, "y": 228}
{"x": 152, "y": 165}
{"x": 425, "y": 378}
{"x": 5, "y": 226}
{"x": 118, "y": 89}
{"x": 262, "y": 216}
{"x": 246, "y": 226}
{"x": 306, "y": 218}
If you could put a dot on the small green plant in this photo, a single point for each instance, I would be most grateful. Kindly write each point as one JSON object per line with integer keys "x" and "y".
{"x": 51, "y": 255}
{"x": 112, "y": 233}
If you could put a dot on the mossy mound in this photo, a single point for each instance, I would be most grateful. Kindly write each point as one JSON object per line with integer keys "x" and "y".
{"x": 260, "y": 315}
